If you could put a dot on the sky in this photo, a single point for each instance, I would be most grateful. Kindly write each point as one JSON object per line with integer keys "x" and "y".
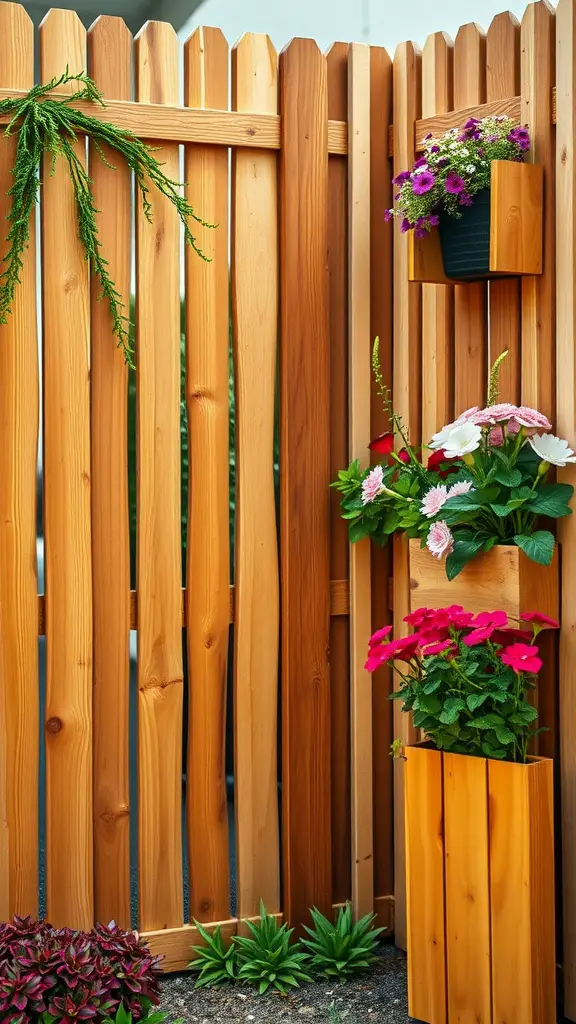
{"x": 379, "y": 22}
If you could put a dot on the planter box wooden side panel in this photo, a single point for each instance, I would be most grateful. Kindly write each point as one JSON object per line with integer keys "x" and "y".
{"x": 425, "y": 885}
{"x": 516, "y": 217}
{"x": 467, "y": 888}
{"x": 522, "y": 891}
{"x": 504, "y": 578}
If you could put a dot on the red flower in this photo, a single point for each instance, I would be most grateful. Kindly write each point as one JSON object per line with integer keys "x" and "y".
{"x": 505, "y": 636}
{"x": 404, "y": 456}
{"x": 542, "y": 621}
{"x": 380, "y": 635}
{"x": 497, "y": 619}
{"x": 417, "y": 618}
{"x": 437, "y": 458}
{"x": 478, "y": 636}
{"x": 401, "y": 650}
{"x": 522, "y": 658}
{"x": 437, "y": 648}
{"x": 383, "y": 444}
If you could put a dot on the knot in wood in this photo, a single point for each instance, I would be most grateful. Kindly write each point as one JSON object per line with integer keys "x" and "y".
{"x": 54, "y": 725}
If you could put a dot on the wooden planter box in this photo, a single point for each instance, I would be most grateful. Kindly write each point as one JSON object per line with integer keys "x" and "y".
{"x": 504, "y": 578}
{"x": 480, "y": 889}
{"x": 516, "y": 199}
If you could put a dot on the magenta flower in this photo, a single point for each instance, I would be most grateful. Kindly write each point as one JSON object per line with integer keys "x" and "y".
{"x": 499, "y": 619}
{"x": 454, "y": 184}
{"x": 543, "y": 621}
{"x": 405, "y": 225}
{"x": 433, "y": 220}
{"x": 439, "y": 647}
{"x": 388, "y": 215}
{"x": 422, "y": 182}
{"x": 380, "y": 635}
{"x": 478, "y": 636}
{"x": 440, "y": 541}
{"x": 521, "y": 137}
{"x": 401, "y": 178}
{"x": 421, "y": 162}
{"x": 465, "y": 199}
{"x": 522, "y": 658}
{"x": 435, "y": 149}
{"x": 418, "y": 617}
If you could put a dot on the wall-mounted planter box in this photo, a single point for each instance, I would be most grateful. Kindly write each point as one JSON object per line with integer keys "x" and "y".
{"x": 498, "y": 236}
{"x": 480, "y": 889}
{"x": 504, "y": 578}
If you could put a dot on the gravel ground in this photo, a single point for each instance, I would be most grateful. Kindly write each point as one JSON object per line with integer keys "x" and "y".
{"x": 378, "y": 997}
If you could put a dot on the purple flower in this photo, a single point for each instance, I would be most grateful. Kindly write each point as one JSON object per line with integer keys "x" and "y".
{"x": 387, "y": 215}
{"x": 454, "y": 184}
{"x": 472, "y": 122}
{"x": 401, "y": 178}
{"x": 521, "y": 137}
{"x": 405, "y": 225}
{"x": 435, "y": 149}
{"x": 427, "y": 136}
{"x": 421, "y": 162}
{"x": 421, "y": 232}
{"x": 434, "y": 220}
{"x": 443, "y": 161}
{"x": 491, "y": 138}
{"x": 422, "y": 182}
{"x": 465, "y": 199}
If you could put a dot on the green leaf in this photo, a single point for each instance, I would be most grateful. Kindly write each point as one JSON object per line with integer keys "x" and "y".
{"x": 502, "y": 510}
{"x": 464, "y": 552}
{"x": 505, "y": 736}
{"x": 452, "y": 708}
{"x": 552, "y": 500}
{"x": 508, "y": 477}
{"x": 489, "y": 721}
{"x": 538, "y": 546}
{"x": 476, "y": 700}
{"x": 357, "y": 531}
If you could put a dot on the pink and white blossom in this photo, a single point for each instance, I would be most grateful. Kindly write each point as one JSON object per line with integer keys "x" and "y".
{"x": 469, "y": 416}
{"x": 433, "y": 500}
{"x": 496, "y": 436}
{"x": 440, "y": 541}
{"x": 496, "y": 414}
{"x": 373, "y": 484}
{"x": 462, "y": 487}
{"x": 527, "y": 417}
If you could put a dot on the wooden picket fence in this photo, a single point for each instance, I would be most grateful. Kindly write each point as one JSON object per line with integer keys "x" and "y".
{"x": 315, "y": 275}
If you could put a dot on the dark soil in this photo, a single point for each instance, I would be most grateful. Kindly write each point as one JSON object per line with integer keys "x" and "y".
{"x": 379, "y": 997}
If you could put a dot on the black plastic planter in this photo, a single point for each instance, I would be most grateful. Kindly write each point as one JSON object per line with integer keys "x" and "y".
{"x": 465, "y": 240}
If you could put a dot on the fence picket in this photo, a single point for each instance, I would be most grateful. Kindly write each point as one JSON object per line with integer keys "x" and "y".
{"x": 66, "y": 342}
{"x": 19, "y": 708}
{"x": 337, "y": 65}
{"x": 437, "y": 299}
{"x": 470, "y": 325}
{"x": 208, "y": 557}
{"x": 305, "y": 477}
{"x": 503, "y": 81}
{"x": 109, "y": 64}
{"x": 159, "y": 570}
{"x": 255, "y": 313}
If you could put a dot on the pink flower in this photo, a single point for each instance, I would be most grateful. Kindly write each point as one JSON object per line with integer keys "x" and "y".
{"x": 440, "y": 540}
{"x": 439, "y": 647}
{"x": 417, "y": 618}
{"x": 513, "y": 427}
{"x": 498, "y": 619}
{"x": 527, "y": 417}
{"x": 380, "y": 635}
{"x": 543, "y": 621}
{"x": 463, "y": 487}
{"x": 433, "y": 500}
{"x": 522, "y": 658}
{"x": 496, "y": 437}
{"x": 399, "y": 650}
{"x": 496, "y": 414}
{"x": 469, "y": 416}
{"x": 478, "y": 636}
{"x": 372, "y": 485}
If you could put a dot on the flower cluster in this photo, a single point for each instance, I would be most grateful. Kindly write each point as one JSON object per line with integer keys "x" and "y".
{"x": 465, "y": 677}
{"x": 483, "y": 482}
{"x": 453, "y": 169}
{"x": 64, "y": 976}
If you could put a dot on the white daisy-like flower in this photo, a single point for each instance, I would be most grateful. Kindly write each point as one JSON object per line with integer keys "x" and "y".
{"x": 470, "y": 169}
{"x": 465, "y": 151}
{"x": 551, "y": 449}
{"x": 461, "y": 440}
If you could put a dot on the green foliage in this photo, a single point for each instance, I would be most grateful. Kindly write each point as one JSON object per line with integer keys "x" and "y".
{"x": 336, "y": 1016}
{"x": 214, "y": 963}
{"x": 342, "y": 949}
{"x": 395, "y": 509}
{"x": 125, "y": 1017}
{"x": 51, "y": 127}
{"x": 269, "y": 959}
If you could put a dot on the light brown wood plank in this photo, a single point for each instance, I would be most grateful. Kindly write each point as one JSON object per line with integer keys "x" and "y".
{"x": 256, "y": 634}
{"x": 208, "y": 555}
{"x": 337, "y": 64}
{"x": 566, "y": 427}
{"x": 470, "y": 300}
{"x": 110, "y": 65}
{"x": 437, "y": 299}
{"x": 441, "y": 123}
{"x": 360, "y": 348}
{"x": 68, "y": 722}
{"x": 19, "y": 709}
{"x": 381, "y": 270}
{"x": 159, "y": 570}
{"x": 406, "y": 390}
{"x": 502, "y": 80}
{"x": 467, "y": 888}
{"x": 305, "y": 476}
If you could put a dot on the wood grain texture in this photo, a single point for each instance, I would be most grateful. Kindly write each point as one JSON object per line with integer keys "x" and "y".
{"x": 406, "y": 390}
{"x": 256, "y": 634}
{"x": 381, "y": 270}
{"x": 208, "y": 555}
{"x": 441, "y": 123}
{"x": 425, "y": 885}
{"x": 516, "y": 193}
{"x": 566, "y": 427}
{"x": 522, "y": 891}
{"x": 470, "y": 300}
{"x": 337, "y": 67}
{"x": 504, "y": 578}
{"x": 305, "y": 476}
{"x": 502, "y": 80}
{"x": 538, "y": 294}
{"x": 19, "y": 711}
{"x": 159, "y": 569}
{"x": 467, "y": 889}
{"x": 110, "y": 65}
{"x": 66, "y": 340}
{"x": 360, "y": 349}
{"x": 437, "y": 300}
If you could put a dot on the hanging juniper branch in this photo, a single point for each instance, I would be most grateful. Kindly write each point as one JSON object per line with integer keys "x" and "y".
{"x": 48, "y": 126}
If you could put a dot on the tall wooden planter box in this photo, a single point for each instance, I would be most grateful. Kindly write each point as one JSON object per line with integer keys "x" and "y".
{"x": 510, "y": 228}
{"x": 480, "y": 889}
{"x": 504, "y": 578}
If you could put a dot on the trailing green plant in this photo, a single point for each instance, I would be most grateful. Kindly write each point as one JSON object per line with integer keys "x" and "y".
{"x": 215, "y": 963}
{"x": 46, "y": 126}
{"x": 342, "y": 948}
{"x": 270, "y": 959}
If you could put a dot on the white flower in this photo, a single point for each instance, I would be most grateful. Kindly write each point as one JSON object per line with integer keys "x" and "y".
{"x": 440, "y": 541}
{"x": 433, "y": 500}
{"x": 462, "y": 439}
{"x": 465, "y": 151}
{"x": 554, "y": 450}
{"x": 463, "y": 487}
{"x": 470, "y": 169}
{"x": 454, "y": 145}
